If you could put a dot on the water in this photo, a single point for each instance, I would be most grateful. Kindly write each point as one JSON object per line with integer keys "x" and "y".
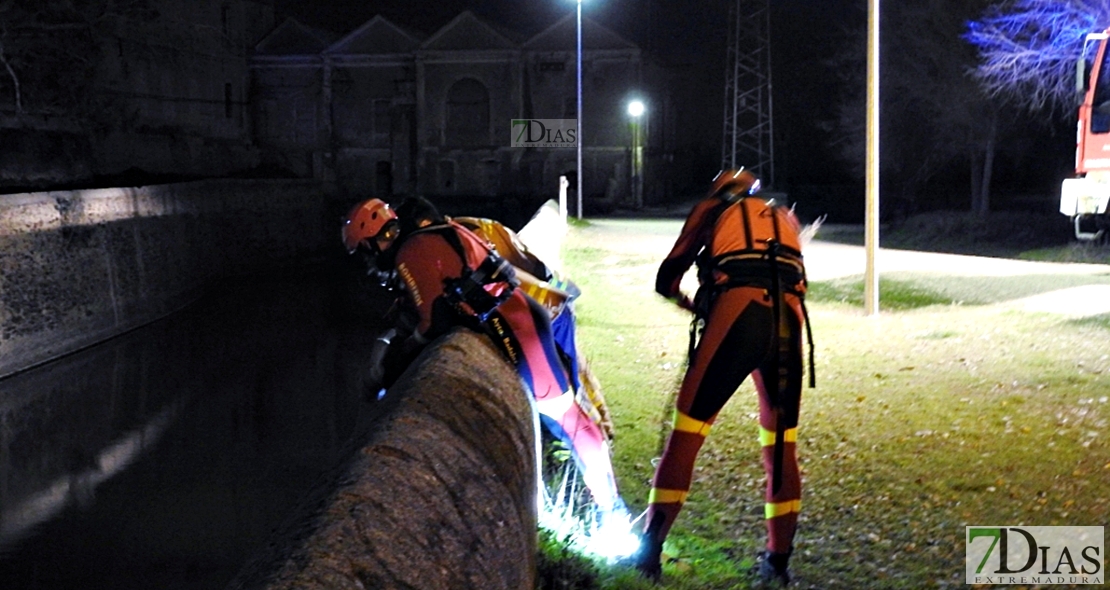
{"x": 165, "y": 457}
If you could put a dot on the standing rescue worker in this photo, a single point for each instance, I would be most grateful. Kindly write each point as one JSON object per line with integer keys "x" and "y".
{"x": 748, "y": 320}
{"x": 452, "y": 278}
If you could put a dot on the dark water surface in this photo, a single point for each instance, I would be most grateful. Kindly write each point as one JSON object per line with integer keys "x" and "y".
{"x": 163, "y": 458}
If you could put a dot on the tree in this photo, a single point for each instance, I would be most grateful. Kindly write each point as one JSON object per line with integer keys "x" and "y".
{"x": 933, "y": 114}
{"x": 1028, "y": 49}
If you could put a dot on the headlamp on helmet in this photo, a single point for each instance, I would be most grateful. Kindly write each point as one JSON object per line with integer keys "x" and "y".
{"x": 732, "y": 185}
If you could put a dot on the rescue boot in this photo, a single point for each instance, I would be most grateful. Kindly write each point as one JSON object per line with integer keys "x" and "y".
{"x": 773, "y": 568}
{"x": 648, "y": 559}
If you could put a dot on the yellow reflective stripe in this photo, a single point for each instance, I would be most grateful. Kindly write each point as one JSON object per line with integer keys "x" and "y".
{"x": 487, "y": 228}
{"x": 684, "y": 423}
{"x": 533, "y": 290}
{"x": 662, "y": 496}
{"x": 773, "y": 509}
{"x": 767, "y": 437}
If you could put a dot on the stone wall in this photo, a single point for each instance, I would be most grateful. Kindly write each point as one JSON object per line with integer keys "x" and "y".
{"x": 443, "y": 495}
{"x": 77, "y": 267}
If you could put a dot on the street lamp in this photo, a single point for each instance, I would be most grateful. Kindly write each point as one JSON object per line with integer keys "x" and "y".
{"x": 578, "y": 112}
{"x": 635, "y": 110}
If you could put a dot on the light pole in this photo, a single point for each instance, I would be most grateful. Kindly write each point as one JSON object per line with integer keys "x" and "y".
{"x": 636, "y": 110}
{"x": 871, "y": 216}
{"x": 578, "y": 112}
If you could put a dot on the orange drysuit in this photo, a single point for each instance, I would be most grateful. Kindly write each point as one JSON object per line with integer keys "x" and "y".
{"x": 433, "y": 262}
{"x": 740, "y": 337}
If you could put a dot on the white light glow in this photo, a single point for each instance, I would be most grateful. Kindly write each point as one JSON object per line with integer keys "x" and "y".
{"x": 636, "y": 108}
{"x": 608, "y": 535}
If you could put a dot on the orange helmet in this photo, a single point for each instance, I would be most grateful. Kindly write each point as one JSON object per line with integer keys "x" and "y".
{"x": 732, "y": 184}
{"x": 366, "y": 221}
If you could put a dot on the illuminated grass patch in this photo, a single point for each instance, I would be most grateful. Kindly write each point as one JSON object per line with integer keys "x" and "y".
{"x": 926, "y": 419}
{"x": 1099, "y": 321}
{"x": 893, "y": 295}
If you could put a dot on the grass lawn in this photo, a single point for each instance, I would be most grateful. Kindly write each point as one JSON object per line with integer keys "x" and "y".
{"x": 930, "y": 417}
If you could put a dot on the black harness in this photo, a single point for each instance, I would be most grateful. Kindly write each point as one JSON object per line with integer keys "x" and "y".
{"x": 467, "y": 291}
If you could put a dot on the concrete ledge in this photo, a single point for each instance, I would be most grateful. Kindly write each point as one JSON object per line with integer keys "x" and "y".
{"x": 442, "y": 496}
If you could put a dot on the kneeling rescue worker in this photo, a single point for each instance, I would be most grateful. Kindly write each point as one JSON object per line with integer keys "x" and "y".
{"x": 749, "y": 315}
{"x": 557, "y": 294}
{"x": 452, "y": 278}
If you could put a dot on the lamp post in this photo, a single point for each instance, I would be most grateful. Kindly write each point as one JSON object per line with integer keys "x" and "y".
{"x": 578, "y": 112}
{"x": 636, "y": 110}
{"x": 871, "y": 217}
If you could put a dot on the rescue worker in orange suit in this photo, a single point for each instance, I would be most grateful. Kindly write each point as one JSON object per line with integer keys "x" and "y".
{"x": 744, "y": 332}
{"x": 543, "y": 284}
{"x": 557, "y": 294}
{"x": 452, "y": 278}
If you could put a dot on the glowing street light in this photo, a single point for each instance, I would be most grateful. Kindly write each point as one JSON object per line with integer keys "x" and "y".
{"x": 636, "y": 110}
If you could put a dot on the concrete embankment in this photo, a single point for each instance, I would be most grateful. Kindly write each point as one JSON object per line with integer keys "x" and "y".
{"x": 77, "y": 267}
{"x": 441, "y": 497}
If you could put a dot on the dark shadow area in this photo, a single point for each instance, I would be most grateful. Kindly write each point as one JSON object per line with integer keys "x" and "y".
{"x": 139, "y": 177}
{"x": 166, "y": 457}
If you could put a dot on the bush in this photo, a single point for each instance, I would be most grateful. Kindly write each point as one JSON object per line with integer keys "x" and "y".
{"x": 995, "y": 234}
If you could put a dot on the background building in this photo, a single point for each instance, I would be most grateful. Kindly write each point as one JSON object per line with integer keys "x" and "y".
{"x": 163, "y": 90}
{"x": 385, "y": 110}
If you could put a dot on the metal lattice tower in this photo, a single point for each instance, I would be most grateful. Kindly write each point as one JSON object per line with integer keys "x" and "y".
{"x": 748, "y": 138}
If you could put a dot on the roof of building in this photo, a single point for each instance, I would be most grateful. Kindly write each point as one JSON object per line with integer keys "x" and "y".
{"x": 563, "y": 36}
{"x": 465, "y": 32}
{"x": 378, "y": 36}
{"x": 293, "y": 38}
{"x": 468, "y": 32}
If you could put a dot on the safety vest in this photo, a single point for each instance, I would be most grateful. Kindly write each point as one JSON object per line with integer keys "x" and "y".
{"x": 755, "y": 243}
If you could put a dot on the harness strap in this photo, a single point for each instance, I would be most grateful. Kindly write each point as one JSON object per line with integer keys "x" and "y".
{"x": 748, "y": 267}
{"x": 468, "y": 289}
{"x": 809, "y": 337}
{"x": 777, "y": 382}
{"x": 785, "y": 253}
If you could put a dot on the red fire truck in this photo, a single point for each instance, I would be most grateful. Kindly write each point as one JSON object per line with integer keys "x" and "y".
{"x": 1084, "y": 198}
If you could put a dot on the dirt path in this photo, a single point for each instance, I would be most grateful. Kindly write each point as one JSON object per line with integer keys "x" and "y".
{"x": 829, "y": 260}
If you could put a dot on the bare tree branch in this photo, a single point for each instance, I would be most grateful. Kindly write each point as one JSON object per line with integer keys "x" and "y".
{"x": 1028, "y": 49}
{"x": 12, "y": 75}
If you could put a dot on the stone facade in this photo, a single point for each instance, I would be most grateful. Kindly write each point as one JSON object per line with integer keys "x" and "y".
{"x": 386, "y": 111}
{"x": 163, "y": 91}
{"x": 181, "y": 81}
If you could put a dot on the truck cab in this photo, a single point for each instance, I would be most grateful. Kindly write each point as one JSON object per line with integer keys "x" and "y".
{"x": 1084, "y": 198}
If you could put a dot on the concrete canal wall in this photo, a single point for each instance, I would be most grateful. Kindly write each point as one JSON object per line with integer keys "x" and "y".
{"x": 77, "y": 267}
